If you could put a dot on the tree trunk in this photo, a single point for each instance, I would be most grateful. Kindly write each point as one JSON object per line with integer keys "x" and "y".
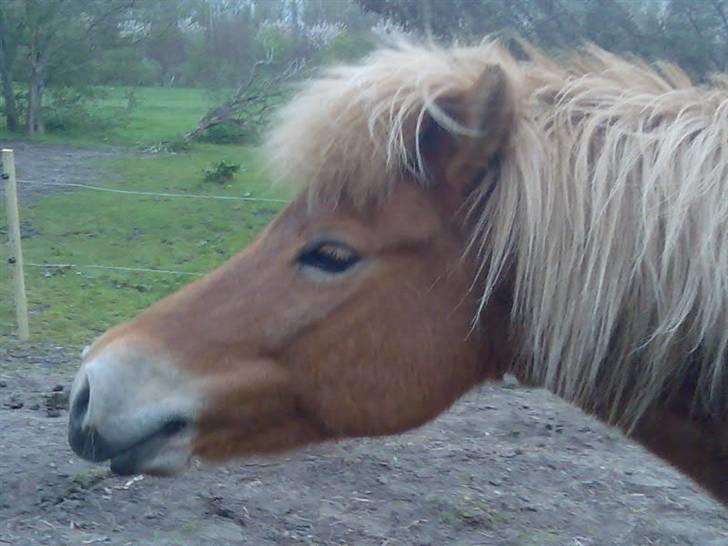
{"x": 6, "y": 79}
{"x": 34, "y": 117}
{"x": 11, "y": 108}
{"x": 39, "y": 57}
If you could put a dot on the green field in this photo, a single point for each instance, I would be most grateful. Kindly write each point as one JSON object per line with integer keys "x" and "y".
{"x": 158, "y": 114}
{"x": 70, "y": 306}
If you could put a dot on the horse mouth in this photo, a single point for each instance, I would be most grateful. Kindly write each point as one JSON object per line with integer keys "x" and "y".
{"x": 164, "y": 453}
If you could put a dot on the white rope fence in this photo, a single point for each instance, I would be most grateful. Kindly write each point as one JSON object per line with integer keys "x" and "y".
{"x": 155, "y": 194}
{"x": 7, "y": 173}
{"x": 114, "y": 268}
{"x": 145, "y": 194}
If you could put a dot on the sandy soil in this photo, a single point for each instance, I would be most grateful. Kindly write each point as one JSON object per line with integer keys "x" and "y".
{"x": 506, "y": 466}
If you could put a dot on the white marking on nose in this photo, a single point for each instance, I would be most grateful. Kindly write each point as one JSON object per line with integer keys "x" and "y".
{"x": 134, "y": 392}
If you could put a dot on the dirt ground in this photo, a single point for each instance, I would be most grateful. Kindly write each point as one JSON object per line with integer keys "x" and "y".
{"x": 506, "y": 466}
{"x": 38, "y": 165}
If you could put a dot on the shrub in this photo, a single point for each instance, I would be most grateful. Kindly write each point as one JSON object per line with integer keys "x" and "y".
{"x": 71, "y": 109}
{"x": 221, "y": 172}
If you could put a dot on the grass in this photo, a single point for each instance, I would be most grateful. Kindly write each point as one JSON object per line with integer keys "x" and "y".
{"x": 159, "y": 114}
{"x": 71, "y": 306}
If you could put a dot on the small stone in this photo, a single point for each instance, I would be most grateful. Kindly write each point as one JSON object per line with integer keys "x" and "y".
{"x": 3, "y": 384}
{"x": 15, "y": 403}
{"x": 35, "y": 407}
{"x": 58, "y": 388}
{"x": 52, "y": 412}
{"x": 56, "y": 400}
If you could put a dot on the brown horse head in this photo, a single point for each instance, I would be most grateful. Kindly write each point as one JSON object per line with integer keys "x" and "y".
{"x": 350, "y": 315}
{"x": 461, "y": 213}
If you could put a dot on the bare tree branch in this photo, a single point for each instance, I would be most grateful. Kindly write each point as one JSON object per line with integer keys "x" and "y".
{"x": 252, "y": 101}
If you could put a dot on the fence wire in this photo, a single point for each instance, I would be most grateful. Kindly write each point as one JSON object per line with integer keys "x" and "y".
{"x": 145, "y": 194}
{"x": 114, "y": 268}
{"x": 156, "y": 194}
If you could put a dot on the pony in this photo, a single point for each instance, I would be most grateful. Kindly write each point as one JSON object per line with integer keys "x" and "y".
{"x": 460, "y": 213}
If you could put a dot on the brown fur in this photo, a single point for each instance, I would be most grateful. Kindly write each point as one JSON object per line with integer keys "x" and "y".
{"x": 300, "y": 369}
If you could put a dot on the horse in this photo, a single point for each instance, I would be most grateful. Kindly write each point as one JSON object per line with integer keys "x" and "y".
{"x": 460, "y": 213}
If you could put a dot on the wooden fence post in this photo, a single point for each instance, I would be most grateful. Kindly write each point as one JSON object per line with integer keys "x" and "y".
{"x": 7, "y": 171}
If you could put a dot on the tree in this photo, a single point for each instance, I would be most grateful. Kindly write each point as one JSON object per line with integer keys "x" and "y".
{"x": 692, "y": 33}
{"x": 8, "y": 51}
{"x": 166, "y": 39}
{"x": 55, "y": 38}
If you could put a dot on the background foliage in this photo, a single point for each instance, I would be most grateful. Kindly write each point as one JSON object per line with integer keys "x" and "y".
{"x": 50, "y": 50}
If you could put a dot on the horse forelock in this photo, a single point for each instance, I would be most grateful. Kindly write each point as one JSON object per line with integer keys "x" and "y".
{"x": 355, "y": 131}
{"x": 609, "y": 212}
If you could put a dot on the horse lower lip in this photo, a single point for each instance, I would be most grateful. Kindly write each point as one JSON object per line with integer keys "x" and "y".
{"x": 122, "y": 465}
{"x": 132, "y": 460}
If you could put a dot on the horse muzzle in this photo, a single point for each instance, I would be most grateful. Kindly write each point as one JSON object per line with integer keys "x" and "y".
{"x": 132, "y": 408}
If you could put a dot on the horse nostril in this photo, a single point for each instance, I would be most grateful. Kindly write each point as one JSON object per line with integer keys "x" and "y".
{"x": 80, "y": 404}
{"x": 85, "y": 440}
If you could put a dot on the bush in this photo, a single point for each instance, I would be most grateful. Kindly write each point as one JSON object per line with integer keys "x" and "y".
{"x": 71, "y": 109}
{"x": 221, "y": 172}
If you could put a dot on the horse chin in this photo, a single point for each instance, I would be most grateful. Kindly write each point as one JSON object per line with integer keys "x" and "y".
{"x": 158, "y": 456}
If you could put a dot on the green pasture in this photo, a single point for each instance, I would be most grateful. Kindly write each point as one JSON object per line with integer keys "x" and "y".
{"x": 135, "y": 117}
{"x": 70, "y": 306}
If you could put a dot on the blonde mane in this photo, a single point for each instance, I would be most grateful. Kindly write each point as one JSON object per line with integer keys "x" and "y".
{"x": 609, "y": 211}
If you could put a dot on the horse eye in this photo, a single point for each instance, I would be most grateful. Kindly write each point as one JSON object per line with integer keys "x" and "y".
{"x": 330, "y": 258}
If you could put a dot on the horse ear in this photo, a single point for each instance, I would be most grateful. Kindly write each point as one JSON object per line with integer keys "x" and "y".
{"x": 474, "y": 127}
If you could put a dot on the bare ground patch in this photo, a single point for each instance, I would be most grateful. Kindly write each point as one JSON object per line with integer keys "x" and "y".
{"x": 38, "y": 166}
{"x": 506, "y": 466}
